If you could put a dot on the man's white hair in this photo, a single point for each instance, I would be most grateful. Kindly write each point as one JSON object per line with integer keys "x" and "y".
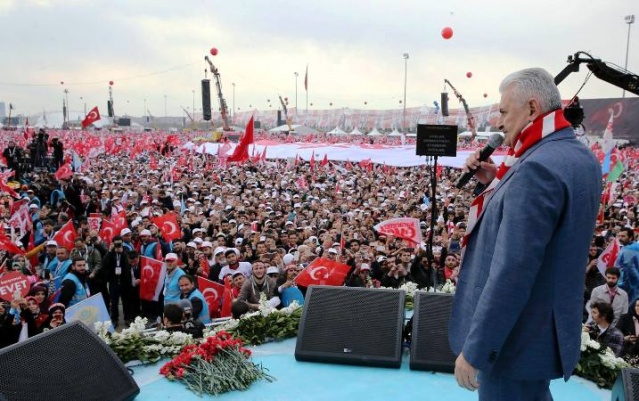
{"x": 534, "y": 83}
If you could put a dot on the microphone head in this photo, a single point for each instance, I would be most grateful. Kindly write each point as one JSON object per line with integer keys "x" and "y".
{"x": 495, "y": 140}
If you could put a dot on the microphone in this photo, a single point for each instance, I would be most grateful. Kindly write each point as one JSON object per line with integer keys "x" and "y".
{"x": 494, "y": 141}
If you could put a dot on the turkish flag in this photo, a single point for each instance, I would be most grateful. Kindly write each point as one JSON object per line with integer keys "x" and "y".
{"x": 65, "y": 237}
{"x": 5, "y": 188}
{"x": 312, "y": 162}
{"x": 213, "y": 293}
{"x": 119, "y": 222}
{"x": 240, "y": 154}
{"x": 204, "y": 264}
{"x": 227, "y": 299}
{"x": 169, "y": 226}
{"x": 7, "y": 245}
{"x": 324, "y": 161}
{"x": 152, "y": 275}
{"x": 608, "y": 257}
{"x": 93, "y": 116}
{"x": 402, "y": 227}
{"x": 64, "y": 172}
{"x": 108, "y": 231}
{"x": 323, "y": 272}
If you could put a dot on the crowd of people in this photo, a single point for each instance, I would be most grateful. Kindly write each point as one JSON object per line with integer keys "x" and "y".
{"x": 257, "y": 226}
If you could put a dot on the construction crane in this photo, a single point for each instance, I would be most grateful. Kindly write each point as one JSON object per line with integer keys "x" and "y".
{"x": 193, "y": 123}
{"x": 224, "y": 111}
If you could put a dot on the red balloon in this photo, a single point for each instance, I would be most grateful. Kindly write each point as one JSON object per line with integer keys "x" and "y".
{"x": 469, "y": 74}
{"x": 447, "y": 32}
{"x": 110, "y": 83}
{"x": 485, "y": 94}
{"x": 213, "y": 51}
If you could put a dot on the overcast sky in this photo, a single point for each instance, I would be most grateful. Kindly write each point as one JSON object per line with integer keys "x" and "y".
{"x": 353, "y": 49}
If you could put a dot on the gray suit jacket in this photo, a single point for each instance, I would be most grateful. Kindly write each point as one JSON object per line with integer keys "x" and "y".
{"x": 518, "y": 307}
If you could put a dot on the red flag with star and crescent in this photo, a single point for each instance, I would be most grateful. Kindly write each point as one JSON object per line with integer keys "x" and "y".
{"x": 66, "y": 236}
{"x": 93, "y": 116}
{"x": 7, "y": 245}
{"x": 64, "y": 172}
{"x": 168, "y": 225}
{"x": 152, "y": 273}
{"x": 213, "y": 293}
{"x": 323, "y": 272}
{"x": 608, "y": 257}
{"x": 108, "y": 230}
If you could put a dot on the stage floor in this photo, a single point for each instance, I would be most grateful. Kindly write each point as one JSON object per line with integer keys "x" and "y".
{"x": 306, "y": 381}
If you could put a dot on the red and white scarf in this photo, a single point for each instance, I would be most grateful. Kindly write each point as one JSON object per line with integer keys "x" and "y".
{"x": 530, "y": 135}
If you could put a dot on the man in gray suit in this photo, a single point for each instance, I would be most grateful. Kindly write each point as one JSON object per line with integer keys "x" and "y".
{"x": 516, "y": 320}
{"x": 612, "y": 294}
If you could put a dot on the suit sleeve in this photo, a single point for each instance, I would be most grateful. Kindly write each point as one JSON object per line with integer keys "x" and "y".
{"x": 532, "y": 208}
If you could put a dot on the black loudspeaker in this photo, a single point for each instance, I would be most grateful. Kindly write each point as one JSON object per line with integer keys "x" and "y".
{"x": 444, "y": 104}
{"x": 626, "y": 386}
{"x": 124, "y": 122}
{"x": 429, "y": 347}
{"x": 67, "y": 363}
{"x": 110, "y": 108}
{"x": 356, "y": 326}
{"x": 206, "y": 99}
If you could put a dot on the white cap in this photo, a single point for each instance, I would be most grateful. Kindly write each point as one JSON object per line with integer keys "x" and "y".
{"x": 207, "y": 244}
{"x": 52, "y": 243}
{"x": 33, "y": 206}
{"x": 192, "y": 244}
{"x": 364, "y": 266}
{"x": 288, "y": 259}
{"x": 145, "y": 232}
{"x": 171, "y": 256}
{"x": 124, "y": 232}
{"x": 218, "y": 250}
{"x": 332, "y": 250}
{"x": 272, "y": 269}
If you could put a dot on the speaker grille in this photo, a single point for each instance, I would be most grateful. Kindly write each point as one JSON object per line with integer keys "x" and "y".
{"x": 429, "y": 348}
{"x": 351, "y": 325}
{"x": 67, "y": 363}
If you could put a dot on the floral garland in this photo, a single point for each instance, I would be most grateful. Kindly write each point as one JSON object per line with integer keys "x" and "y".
{"x": 597, "y": 363}
{"x": 266, "y": 324}
{"x": 217, "y": 365}
{"x": 133, "y": 344}
{"x": 410, "y": 288}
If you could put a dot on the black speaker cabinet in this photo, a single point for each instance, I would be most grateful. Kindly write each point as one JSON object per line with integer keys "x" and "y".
{"x": 206, "y": 99}
{"x": 356, "y": 326}
{"x": 429, "y": 348}
{"x": 626, "y": 386}
{"x": 67, "y": 363}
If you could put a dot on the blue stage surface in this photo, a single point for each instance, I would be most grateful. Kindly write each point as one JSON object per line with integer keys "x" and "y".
{"x": 306, "y": 381}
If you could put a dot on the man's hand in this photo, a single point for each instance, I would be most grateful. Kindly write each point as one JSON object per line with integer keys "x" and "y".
{"x": 465, "y": 374}
{"x": 486, "y": 171}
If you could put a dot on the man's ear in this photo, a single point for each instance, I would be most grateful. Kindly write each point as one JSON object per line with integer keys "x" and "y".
{"x": 535, "y": 109}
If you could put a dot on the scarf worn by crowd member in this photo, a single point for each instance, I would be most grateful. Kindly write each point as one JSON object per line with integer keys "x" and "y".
{"x": 530, "y": 135}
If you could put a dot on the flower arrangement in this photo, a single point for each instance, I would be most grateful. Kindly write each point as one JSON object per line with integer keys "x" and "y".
{"x": 410, "y": 288}
{"x": 597, "y": 363}
{"x": 217, "y": 365}
{"x": 133, "y": 344}
{"x": 264, "y": 325}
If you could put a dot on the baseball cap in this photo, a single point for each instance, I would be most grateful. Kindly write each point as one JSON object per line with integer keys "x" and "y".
{"x": 171, "y": 256}
{"x": 272, "y": 270}
{"x": 192, "y": 245}
{"x": 332, "y": 250}
{"x": 124, "y": 232}
{"x": 364, "y": 266}
{"x": 145, "y": 233}
{"x": 207, "y": 244}
{"x": 218, "y": 250}
{"x": 52, "y": 243}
